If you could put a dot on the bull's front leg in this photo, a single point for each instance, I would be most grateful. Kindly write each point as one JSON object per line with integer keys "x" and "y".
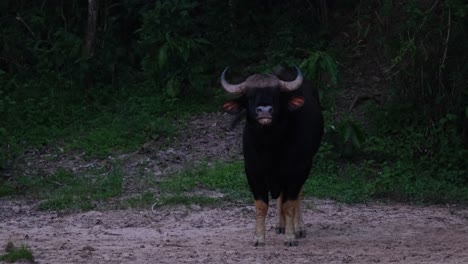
{"x": 261, "y": 209}
{"x": 290, "y": 208}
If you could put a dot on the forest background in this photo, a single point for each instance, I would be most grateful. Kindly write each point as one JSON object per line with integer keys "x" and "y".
{"x": 103, "y": 77}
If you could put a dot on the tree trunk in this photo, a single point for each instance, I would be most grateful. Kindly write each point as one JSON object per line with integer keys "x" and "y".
{"x": 323, "y": 10}
{"x": 90, "y": 43}
{"x": 91, "y": 29}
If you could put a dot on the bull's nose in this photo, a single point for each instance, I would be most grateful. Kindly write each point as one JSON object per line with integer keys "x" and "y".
{"x": 264, "y": 110}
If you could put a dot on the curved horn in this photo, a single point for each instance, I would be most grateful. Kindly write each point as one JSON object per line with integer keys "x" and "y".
{"x": 231, "y": 88}
{"x": 292, "y": 85}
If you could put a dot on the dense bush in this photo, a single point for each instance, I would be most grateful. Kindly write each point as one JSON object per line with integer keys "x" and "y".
{"x": 176, "y": 51}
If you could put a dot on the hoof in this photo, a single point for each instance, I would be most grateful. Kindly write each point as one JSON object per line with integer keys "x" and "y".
{"x": 291, "y": 243}
{"x": 301, "y": 234}
{"x": 259, "y": 244}
{"x": 259, "y": 241}
{"x": 279, "y": 230}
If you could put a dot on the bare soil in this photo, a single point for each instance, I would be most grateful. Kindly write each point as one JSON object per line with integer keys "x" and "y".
{"x": 336, "y": 233}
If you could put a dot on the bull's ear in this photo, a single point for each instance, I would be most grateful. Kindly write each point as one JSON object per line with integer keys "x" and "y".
{"x": 295, "y": 102}
{"x": 232, "y": 107}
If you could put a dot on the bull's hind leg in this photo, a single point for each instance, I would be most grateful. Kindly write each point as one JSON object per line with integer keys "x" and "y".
{"x": 280, "y": 216}
{"x": 299, "y": 228}
{"x": 290, "y": 208}
{"x": 261, "y": 209}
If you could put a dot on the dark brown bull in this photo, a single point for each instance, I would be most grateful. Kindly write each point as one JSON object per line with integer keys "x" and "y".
{"x": 283, "y": 130}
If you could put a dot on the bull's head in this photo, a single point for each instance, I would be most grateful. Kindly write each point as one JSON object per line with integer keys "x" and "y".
{"x": 262, "y": 96}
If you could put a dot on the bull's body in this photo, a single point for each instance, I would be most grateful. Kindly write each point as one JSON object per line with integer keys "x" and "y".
{"x": 278, "y": 156}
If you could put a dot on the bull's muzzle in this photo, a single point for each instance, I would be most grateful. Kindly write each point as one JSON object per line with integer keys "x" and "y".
{"x": 264, "y": 114}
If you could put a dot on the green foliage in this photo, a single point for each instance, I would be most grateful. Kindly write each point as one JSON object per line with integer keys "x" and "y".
{"x": 396, "y": 130}
{"x": 157, "y": 61}
{"x": 347, "y": 136}
{"x": 416, "y": 143}
{"x": 321, "y": 67}
{"x": 49, "y": 87}
{"x": 417, "y": 163}
{"x": 428, "y": 59}
{"x": 400, "y": 159}
{"x": 14, "y": 254}
{"x": 174, "y": 48}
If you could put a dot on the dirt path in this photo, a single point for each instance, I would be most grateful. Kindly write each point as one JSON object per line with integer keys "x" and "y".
{"x": 336, "y": 234}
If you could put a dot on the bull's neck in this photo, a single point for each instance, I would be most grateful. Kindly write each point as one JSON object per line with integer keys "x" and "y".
{"x": 266, "y": 134}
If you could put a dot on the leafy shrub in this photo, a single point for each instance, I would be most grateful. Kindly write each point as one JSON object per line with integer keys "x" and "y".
{"x": 345, "y": 134}
{"x": 427, "y": 59}
{"x": 174, "y": 48}
{"x": 347, "y": 137}
{"x": 321, "y": 67}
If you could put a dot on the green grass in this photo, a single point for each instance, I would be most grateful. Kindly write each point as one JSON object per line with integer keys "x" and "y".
{"x": 14, "y": 253}
{"x": 342, "y": 182}
{"x": 7, "y": 188}
{"x": 227, "y": 178}
{"x": 345, "y": 181}
{"x": 398, "y": 179}
{"x": 332, "y": 178}
{"x": 192, "y": 186}
{"x": 117, "y": 134}
{"x": 143, "y": 200}
{"x": 113, "y": 121}
{"x": 65, "y": 190}
{"x": 399, "y": 159}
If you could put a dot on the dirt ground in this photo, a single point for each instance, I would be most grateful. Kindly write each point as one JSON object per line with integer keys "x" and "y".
{"x": 336, "y": 233}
